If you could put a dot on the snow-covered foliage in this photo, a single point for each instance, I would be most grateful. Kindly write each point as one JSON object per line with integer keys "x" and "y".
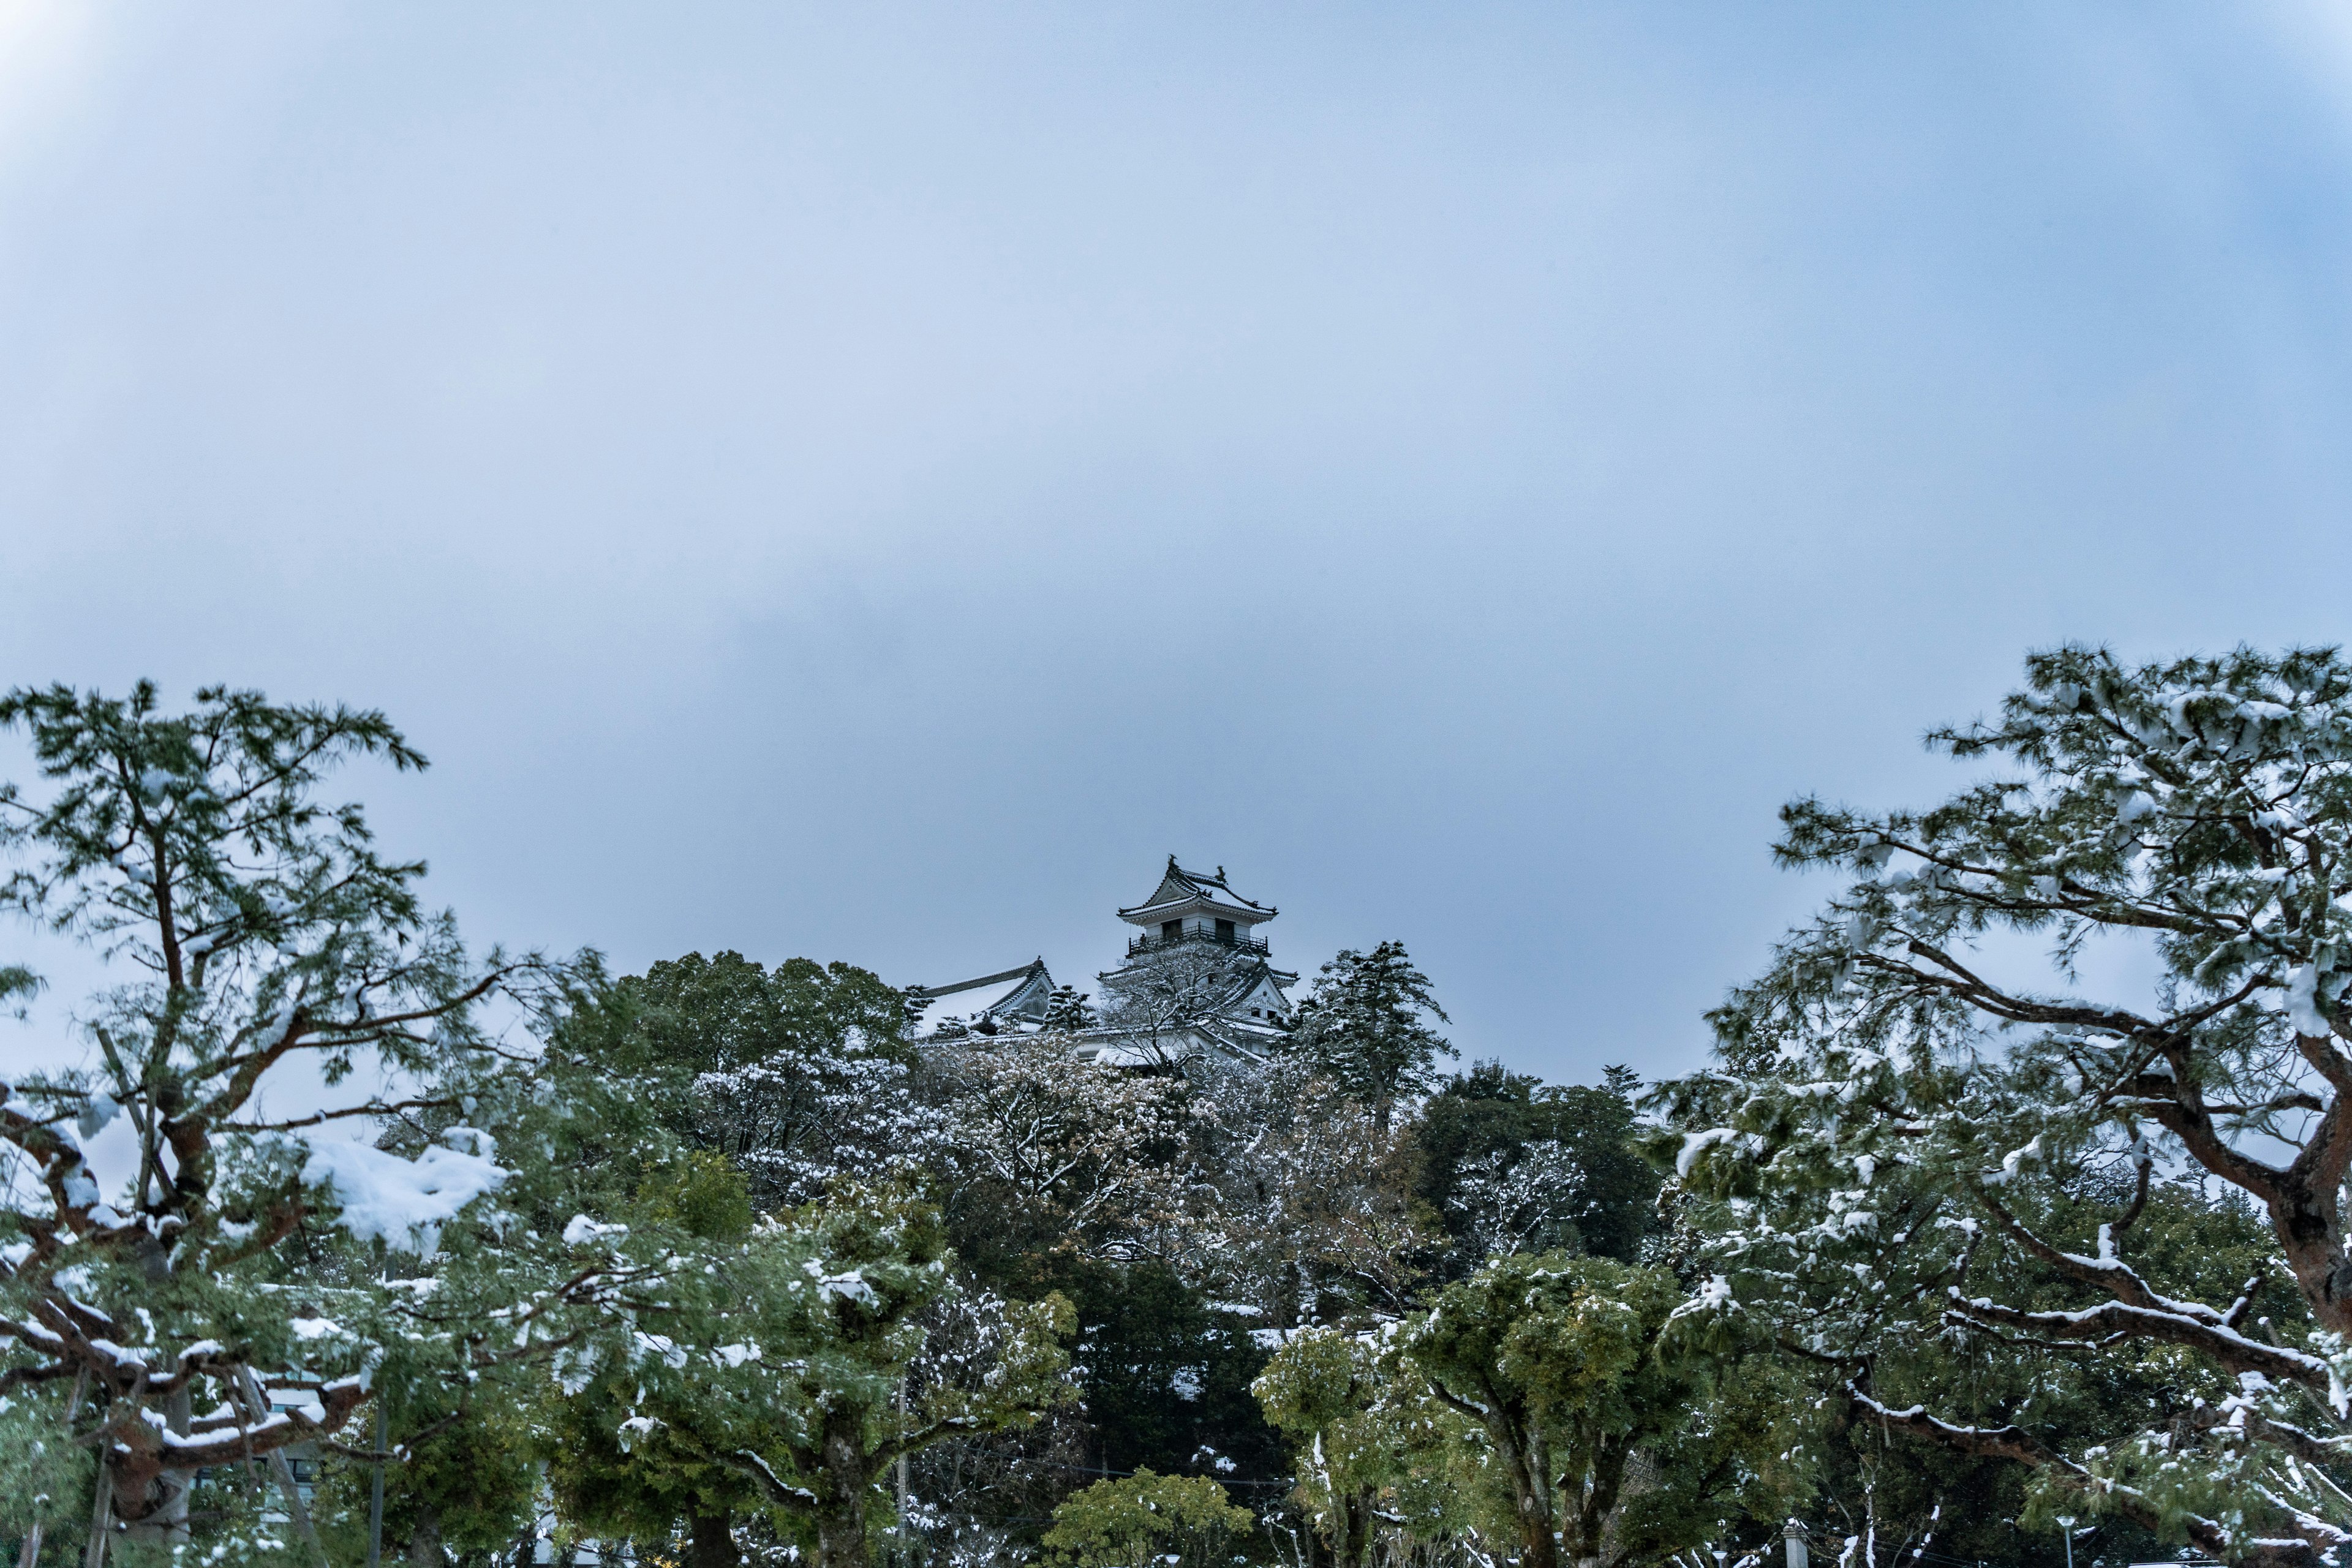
{"x": 1162, "y": 994}
{"x": 1916, "y": 1137}
{"x": 260, "y": 937}
{"x": 1313, "y": 1207}
{"x": 813, "y": 1113}
{"x": 403, "y": 1203}
{"x": 1067, "y": 1011}
{"x": 1099, "y": 1151}
{"x": 795, "y": 1073}
{"x": 794, "y": 1361}
{"x": 1524, "y": 1200}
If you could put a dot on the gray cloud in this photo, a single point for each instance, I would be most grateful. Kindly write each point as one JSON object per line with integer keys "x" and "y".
{"x": 871, "y": 484}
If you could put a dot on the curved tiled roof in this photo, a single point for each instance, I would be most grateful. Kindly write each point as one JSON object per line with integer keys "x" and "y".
{"x": 1178, "y": 886}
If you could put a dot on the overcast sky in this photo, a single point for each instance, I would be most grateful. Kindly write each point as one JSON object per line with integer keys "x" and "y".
{"x": 870, "y": 481}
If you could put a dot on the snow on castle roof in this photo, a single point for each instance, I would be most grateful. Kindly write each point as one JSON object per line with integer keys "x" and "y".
{"x": 1015, "y": 994}
{"x": 1179, "y": 887}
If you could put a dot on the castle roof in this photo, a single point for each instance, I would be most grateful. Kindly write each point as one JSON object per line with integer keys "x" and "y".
{"x": 1181, "y": 892}
{"x": 1014, "y": 995}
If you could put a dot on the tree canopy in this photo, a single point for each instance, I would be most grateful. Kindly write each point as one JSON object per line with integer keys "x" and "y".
{"x": 1925, "y": 1148}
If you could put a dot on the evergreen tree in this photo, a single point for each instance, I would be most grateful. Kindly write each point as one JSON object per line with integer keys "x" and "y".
{"x": 797, "y": 1074}
{"x": 1067, "y": 1012}
{"x": 789, "y": 1365}
{"x": 1365, "y": 1028}
{"x": 1165, "y": 1375}
{"x": 1514, "y": 1164}
{"x": 1183, "y": 1521}
{"x": 262, "y": 932}
{"x": 1942, "y": 1173}
{"x": 1588, "y": 1426}
{"x": 1324, "y": 1391}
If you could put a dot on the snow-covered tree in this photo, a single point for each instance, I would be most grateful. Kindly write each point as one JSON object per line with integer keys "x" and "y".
{"x": 1087, "y": 1157}
{"x": 1918, "y": 1134}
{"x": 794, "y": 1073}
{"x": 1365, "y": 1028}
{"x": 1523, "y": 1200}
{"x": 1162, "y": 995}
{"x": 1067, "y": 1011}
{"x": 282, "y": 986}
{"x": 1314, "y": 1214}
{"x": 973, "y": 1496}
{"x": 791, "y": 1360}
{"x": 1511, "y": 1163}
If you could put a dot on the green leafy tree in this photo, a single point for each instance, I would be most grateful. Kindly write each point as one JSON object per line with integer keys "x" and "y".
{"x": 1324, "y": 1391}
{"x": 1365, "y": 1028}
{"x": 1915, "y": 1133}
{"x": 654, "y": 1481}
{"x": 467, "y": 1490}
{"x": 1591, "y": 1430}
{"x": 785, "y": 1370}
{"x": 794, "y": 1073}
{"x": 1144, "y": 1519}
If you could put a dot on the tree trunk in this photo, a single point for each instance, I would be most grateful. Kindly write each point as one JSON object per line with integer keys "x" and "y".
{"x": 841, "y": 1507}
{"x": 1530, "y": 1489}
{"x": 1593, "y": 1505}
{"x": 425, "y": 1545}
{"x": 1352, "y": 1534}
{"x": 713, "y": 1544}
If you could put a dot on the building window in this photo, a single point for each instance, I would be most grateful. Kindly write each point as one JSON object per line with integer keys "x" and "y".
{"x": 1170, "y": 929}
{"x": 1225, "y": 930}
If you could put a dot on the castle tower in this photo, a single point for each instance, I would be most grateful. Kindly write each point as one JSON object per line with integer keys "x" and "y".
{"x": 1189, "y": 907}
{"x": 1196, "y": 981}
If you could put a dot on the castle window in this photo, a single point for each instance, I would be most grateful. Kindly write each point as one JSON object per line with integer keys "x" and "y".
{"x": 1170, "y": 929}
{"x": 1225, "y": 930}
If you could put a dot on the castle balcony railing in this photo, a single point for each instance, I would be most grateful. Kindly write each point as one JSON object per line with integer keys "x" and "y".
{"x": 1152, "y": 942}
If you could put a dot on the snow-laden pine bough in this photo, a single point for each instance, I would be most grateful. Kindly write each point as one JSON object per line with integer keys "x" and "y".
{"x": 272, "y": 953}
{"x": 1921, "y": 1144}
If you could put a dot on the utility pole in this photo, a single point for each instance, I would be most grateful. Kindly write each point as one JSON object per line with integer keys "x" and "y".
{"x": 376, "y": 1484}
{"x": 906, "y": 1546}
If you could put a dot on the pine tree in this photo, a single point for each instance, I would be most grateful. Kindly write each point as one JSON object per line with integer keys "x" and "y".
{"x": 791, "y": 1375}
{"x": 1067, "y": 1012}
{"x": 1910, "y": 1141}
{"x": 1364, "y": 1028}
{"x": 258, "y": 933}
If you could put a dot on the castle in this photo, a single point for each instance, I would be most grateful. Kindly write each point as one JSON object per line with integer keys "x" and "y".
{"x": 1197, "y": 982}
